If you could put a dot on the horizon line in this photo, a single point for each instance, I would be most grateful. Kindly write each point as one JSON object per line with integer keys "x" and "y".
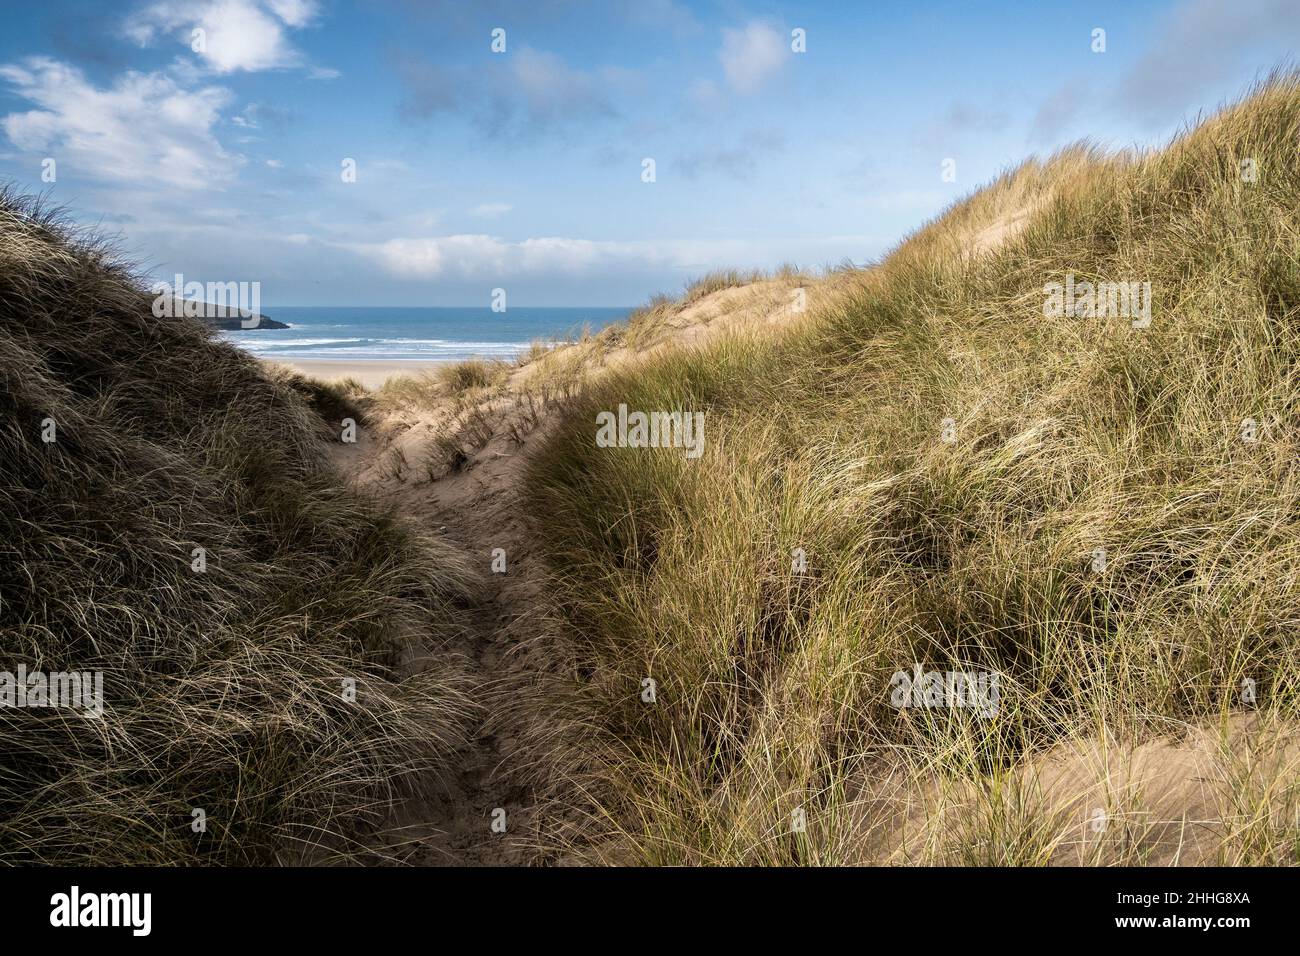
{"x": 423, "y": 306}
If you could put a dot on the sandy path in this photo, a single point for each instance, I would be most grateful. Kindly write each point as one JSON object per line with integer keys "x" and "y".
{"x": 511, "y": 658}
{"x": 475, "y": 508}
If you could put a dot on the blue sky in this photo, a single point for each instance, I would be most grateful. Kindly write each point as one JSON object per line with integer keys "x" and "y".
{"x": 523, "y": 169}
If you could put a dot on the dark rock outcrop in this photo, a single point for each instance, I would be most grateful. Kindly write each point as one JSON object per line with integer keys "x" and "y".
{"x": 236, "y": 322}
{"x": 215, "y": 316}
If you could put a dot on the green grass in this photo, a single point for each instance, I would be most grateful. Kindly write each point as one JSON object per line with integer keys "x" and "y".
{"x": 1070, "y": 435}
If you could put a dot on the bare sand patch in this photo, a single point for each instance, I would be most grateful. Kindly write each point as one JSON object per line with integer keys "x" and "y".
{"x": 371, "y": 373}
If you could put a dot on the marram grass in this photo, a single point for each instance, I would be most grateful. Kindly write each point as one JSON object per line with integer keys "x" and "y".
{"x": 1104, "y": 514}
{"x": 228, "y": 733}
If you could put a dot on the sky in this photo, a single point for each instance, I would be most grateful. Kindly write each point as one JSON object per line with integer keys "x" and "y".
{"x": 419, "y": 152}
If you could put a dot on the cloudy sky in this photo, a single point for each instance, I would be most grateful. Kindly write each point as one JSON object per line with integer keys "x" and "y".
{"x": 222, "y": 154}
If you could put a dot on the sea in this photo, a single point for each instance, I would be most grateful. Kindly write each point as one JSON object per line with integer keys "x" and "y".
{"x": 415, "y": 334}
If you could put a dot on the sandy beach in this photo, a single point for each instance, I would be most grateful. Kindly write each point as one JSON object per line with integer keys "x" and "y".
{"x": 369, "y": 372}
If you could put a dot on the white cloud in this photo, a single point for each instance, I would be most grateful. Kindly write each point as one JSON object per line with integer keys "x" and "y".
{"x": 144, "y": 128}
{"x": 296, "y": 13}
{"x": 247, "y": 117}
{"x": 491, "y": 210}
{"x": 238, "y": 34}
{"x": 482, "y": 256}
{"x": 489, "y": 258}
{"x": 550, "y": 255}
{"x": 752, "y": 55}
{"x": 416, "y": 258}
{"x": 275, "y": 163}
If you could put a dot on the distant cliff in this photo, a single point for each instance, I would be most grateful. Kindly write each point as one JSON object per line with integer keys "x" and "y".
{"x": 236, "y": 322}
{"x": 213, "y": 315}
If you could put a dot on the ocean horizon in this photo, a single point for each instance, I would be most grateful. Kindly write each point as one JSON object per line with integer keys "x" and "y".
{"x": 416, "y": 334}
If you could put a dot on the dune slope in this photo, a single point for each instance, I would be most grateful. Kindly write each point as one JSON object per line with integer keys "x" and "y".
{"x": 170, "y": 521}
{"x": 944, "y": 469}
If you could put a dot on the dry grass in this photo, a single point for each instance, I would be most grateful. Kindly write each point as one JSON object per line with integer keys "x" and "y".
{"x": 1068, "y": 435}
{"x": 224, "y": 689}
{"x": 718, "y": 280}
{"x": 472, "y": 373}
